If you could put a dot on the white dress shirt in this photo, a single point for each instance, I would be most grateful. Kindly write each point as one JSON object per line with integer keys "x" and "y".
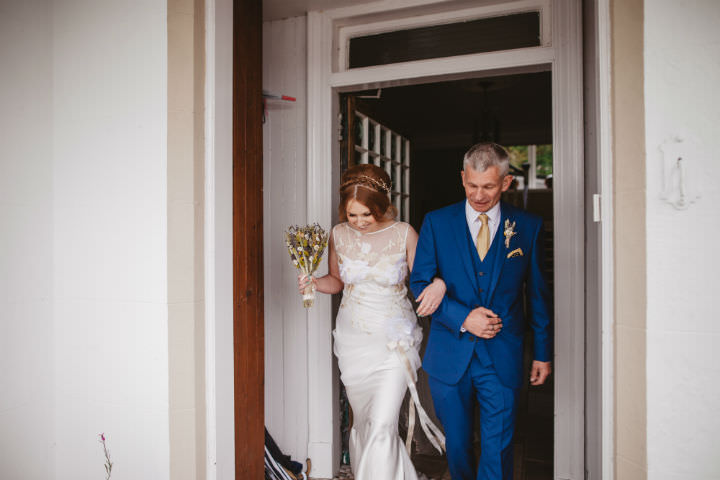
{"x": 474, "y": 222}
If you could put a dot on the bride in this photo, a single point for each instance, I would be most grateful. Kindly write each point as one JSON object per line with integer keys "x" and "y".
{"x": 376, "y": 336}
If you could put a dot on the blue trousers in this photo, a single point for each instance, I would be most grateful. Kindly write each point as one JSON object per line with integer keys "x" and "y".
{"x": 454, "y": 406}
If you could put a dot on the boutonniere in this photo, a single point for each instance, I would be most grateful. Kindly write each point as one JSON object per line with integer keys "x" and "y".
{"x": 509, "y": 232}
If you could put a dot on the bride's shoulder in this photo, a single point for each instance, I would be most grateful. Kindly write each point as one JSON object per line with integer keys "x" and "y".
{"x": 339, "y": 231}
{"x": 403, "y": 232}
{"x": 403, "y": 227}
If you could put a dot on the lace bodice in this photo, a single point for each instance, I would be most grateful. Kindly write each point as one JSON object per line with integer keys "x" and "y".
{"x": 377, "y": 257}
{"x": 373, "y": 266}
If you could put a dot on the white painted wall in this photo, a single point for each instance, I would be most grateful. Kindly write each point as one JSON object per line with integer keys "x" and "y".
{"x": 682, "y": 73}
{"x": 84, "y": 239}
{"x": 218, "y": 238}
{"x": 185, "y": 177}
{"x": 26, "y": 249}
{"x": 285, "y": 187}
{"x": 110, "y": 237}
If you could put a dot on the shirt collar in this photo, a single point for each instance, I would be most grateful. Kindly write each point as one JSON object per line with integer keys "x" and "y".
{"x": 493, "y": 214}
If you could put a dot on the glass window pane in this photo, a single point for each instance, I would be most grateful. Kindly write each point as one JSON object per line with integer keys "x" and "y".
{"x": 358, "y": 138}
{"x": 380, "y": 146}
{"x": 518, "y": 156}
{"x": 436, "y": 41}
{"x": 544, "y": 155}
{"x": 383, "y": 142}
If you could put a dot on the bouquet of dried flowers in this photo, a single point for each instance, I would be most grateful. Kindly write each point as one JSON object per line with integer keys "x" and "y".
{"x": 306, "y": 246}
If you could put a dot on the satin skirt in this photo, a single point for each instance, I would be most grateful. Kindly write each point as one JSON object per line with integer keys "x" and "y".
{"x": 376, "y": 380}
{"x": 376, "y": 450}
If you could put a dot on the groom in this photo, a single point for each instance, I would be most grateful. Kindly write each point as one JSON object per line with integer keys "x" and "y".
{"x": 488, "y": 253}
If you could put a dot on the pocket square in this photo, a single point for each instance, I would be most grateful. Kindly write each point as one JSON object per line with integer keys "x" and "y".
{"x": 515, "y": 253}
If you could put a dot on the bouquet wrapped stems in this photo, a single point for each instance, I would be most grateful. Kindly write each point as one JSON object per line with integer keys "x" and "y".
{"x": 308, "y": 296}
{"x": 306, "y": 245}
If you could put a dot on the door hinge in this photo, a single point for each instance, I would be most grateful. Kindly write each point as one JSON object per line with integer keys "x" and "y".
{"x": 596, "y": 208}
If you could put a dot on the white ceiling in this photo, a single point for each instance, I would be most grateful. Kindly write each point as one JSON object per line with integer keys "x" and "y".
{"x": 278, "y": 9}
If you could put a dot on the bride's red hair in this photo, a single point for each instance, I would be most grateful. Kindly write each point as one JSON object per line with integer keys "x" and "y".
{"x": 369, "y": 185}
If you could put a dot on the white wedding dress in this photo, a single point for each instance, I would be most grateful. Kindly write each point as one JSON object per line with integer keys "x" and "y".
{"x": 376, "y": 343}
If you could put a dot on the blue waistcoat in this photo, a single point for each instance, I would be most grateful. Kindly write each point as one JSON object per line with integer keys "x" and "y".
{"x": 483, "y": 273}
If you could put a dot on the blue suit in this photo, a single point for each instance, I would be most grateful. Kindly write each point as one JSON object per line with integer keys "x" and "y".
{"x": 462, "y": 366}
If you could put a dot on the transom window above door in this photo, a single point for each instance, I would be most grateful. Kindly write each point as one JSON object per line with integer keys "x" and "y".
{"x": 425, "y": 32}
{"x": 505, "y": 32}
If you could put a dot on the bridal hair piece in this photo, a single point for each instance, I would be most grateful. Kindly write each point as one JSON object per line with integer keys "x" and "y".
{"x": 367, "y": 181}
{"x": 369, "y": 185}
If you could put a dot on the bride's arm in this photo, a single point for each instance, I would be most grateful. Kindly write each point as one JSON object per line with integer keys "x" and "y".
{"x": 329, "y": 283}
{"x": 433, "y": 294}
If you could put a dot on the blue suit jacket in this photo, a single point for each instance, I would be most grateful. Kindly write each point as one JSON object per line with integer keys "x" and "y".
{"x": 443, "y": 251}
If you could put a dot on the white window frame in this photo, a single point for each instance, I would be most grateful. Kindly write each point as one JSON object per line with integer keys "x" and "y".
{"x": 397, "y": 165}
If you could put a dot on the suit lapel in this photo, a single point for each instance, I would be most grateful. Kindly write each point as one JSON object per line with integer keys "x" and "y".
{"x": 460, "y": 231}
{"x": 500, "y": 253}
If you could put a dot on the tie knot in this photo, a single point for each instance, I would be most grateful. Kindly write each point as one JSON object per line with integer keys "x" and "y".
{"x": 483, "y": 218}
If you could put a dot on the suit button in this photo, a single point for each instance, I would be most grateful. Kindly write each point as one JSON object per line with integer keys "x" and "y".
{"x": 480, "y": 274}
{"x": 480, "y": 290}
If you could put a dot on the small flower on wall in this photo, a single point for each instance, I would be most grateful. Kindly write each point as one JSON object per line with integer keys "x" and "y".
{"x": 108, "y": 462}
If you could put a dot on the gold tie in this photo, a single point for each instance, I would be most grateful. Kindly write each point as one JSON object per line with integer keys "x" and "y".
{"x": 483, "y": 237}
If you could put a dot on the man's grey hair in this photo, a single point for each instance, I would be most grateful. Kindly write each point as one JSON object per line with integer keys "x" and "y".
{"x": 484, "y": 155}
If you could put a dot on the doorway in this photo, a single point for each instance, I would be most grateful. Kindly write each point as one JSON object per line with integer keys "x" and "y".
{"x": 558, "y": 52}
{"x": 419, "y": 134}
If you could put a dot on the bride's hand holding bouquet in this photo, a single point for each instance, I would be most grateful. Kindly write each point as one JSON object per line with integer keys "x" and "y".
{"x": 306, "y": 246}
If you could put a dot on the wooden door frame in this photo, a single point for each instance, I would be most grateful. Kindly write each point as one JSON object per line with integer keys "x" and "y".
{"x": 248, "y": 283}
{"x": 233, "y": 276}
